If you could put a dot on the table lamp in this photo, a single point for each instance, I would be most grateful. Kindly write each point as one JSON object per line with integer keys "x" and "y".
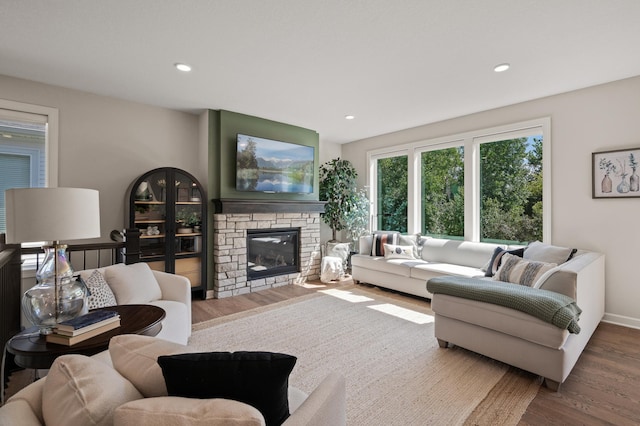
{"x": 52, "y": 215}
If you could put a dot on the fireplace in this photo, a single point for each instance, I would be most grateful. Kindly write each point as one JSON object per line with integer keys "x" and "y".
{"x": 236, "y": 221}
{"x": 272, "y": 252}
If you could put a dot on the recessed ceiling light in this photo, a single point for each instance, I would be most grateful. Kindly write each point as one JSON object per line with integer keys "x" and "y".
{"x": 183, "y": 67}
{"x": 501, "y": 67}
{"x": 349, "y": 117}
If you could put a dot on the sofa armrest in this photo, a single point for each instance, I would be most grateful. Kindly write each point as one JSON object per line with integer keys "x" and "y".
{"x": 567, "y": 277}
{"x": 327, "y": 405}
{"x": 25, "y": 407}
{"x": 175, "y": 287}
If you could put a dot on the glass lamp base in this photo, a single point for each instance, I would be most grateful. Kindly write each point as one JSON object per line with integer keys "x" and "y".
{"x": 39, "y": 303}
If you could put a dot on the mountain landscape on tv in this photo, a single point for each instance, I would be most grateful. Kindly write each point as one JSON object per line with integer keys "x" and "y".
{"x": 266, "y": 165}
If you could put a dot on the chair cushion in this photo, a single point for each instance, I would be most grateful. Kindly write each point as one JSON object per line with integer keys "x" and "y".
{"x": 260, "y": 379}
{"x": 82, "y": 391}
{"x": 176, "y": 411}
{"x": 136, "y": 358}
{"x": 133, "y": 283}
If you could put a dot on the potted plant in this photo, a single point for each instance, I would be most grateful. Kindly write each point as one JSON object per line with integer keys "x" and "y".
{"x": 347, "y": 206}
{"x": 186, "y": 221}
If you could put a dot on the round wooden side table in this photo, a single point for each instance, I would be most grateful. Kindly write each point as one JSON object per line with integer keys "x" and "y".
{"x": 31, "y": 349}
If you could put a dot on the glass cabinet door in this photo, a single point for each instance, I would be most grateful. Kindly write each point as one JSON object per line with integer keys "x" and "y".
{"x": 150, "y": 214}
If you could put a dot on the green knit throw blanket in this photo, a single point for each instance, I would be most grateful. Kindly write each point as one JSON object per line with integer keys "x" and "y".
{"x": 554, "y": 308}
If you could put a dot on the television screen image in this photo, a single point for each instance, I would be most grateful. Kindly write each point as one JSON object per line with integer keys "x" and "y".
{"x": 266, "y": 165}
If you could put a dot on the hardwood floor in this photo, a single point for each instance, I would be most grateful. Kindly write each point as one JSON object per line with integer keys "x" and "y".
{"x": 602, "y": 389}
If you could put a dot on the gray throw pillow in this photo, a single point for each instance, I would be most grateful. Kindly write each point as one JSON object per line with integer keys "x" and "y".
{"x": 541, "y": 252}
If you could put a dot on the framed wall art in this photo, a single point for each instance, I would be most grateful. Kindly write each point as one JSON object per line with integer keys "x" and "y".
{"x": 615, "y": 173}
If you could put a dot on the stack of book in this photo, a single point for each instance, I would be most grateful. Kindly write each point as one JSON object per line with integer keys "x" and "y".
{"x": 84, "y": 327}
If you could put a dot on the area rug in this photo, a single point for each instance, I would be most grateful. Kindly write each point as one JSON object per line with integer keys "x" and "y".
{"x": 395, "y": 372}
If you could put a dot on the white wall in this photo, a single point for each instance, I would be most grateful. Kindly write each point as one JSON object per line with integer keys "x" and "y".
{"x": 106, "y": 143}
{"x": 599, "y": 118}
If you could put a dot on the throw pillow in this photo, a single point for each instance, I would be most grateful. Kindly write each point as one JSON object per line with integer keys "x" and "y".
{"x": 398, "y": 252}
{"x": 260, "y": 379}
{"x": 496, "y": 259}
{"x": 82, "y": 391}
{"x": 518, "y": 271}
{"x": 172, "y": 410}
{"x": 380, "y": 239}
{"x": 542, "y": 252}
{"x": 133, "y": 283}
{"x": 410, "y": 240}
{"x": 100, "y": 294}
{"x": 136, "y": 358}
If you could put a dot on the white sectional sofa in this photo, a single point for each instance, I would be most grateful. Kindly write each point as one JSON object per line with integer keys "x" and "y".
{"x": 502, "y": 333}
{"x": 435, "y": 257}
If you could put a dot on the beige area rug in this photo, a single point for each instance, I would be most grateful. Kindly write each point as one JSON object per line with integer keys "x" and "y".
{"x": 395, "y": 372}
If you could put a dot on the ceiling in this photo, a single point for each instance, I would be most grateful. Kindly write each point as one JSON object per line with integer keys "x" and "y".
{"x": 393, "y": 64}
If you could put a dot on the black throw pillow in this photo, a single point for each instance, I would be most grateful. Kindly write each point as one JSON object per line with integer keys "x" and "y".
{"x": 260, "y": 379}
{"x": 496, "y": 259}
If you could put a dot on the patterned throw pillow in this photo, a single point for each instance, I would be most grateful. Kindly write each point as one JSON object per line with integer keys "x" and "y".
{"x": 518, "y": 271}
{"x": 398, "y": 252}
{"x": 496, "y": 259}
{"x": 379, "y": 240}
{"x": 100, "y": 295}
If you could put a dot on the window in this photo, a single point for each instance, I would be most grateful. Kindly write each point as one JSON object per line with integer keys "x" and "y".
{"x": 391, "y": 193}
{"x": 487, "y": 185}
{"x": 511, "y": 190}
{"x": 442, "y": 190}
{"x": 28, "y": 148}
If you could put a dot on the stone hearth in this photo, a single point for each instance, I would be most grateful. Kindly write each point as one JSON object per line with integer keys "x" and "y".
{"x": 230, "y": 248}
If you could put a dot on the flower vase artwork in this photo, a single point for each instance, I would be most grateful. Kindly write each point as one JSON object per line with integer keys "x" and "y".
{"x": 616, "y": 180}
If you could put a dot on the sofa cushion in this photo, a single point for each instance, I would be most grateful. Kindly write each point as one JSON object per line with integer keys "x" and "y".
{"x": 100, "y": 294}
{"x": 519, "y": 271}
{"x": 427, "y": 270}
{"x": 496, "y": 259}
{"x": 380, "y": 239}
{"x": 464, "y": 253}
{"x": 541, "y": 252}
{"x": 133, "y": 283}
{"x": 392, "y": 251}
{"x": 172, "y": 411}
{"x": 393, "y": 266}
{"x": 260, "y": 379}
{"x": 136, "y": 358}
{"x": 82, "y": 391}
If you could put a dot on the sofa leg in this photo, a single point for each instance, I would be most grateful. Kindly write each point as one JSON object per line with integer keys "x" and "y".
{"x": 552, "y": 385}
{"x": 443, "y": 343}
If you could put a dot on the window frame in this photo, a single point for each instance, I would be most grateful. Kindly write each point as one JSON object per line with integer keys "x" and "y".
{"x": 21, "y": 111}
{"x": 24, "y": 112}
{"x": 471, "y": 142}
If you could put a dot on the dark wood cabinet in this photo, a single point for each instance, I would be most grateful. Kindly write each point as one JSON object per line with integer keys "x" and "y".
{"x": 168, "y": 206}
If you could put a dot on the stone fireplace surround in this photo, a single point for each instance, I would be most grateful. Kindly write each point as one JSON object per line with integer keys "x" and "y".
{"x": 232, "y": 220}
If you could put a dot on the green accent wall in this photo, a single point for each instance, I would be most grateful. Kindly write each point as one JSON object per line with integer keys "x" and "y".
{"x": 223, "y": 128}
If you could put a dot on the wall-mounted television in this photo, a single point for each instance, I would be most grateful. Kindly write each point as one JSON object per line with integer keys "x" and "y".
{"x": 265, "y": 165}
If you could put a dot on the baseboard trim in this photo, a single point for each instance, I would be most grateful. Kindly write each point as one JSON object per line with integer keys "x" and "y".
{"x": 621, "y": 320}
{"x": 210, "y": 294}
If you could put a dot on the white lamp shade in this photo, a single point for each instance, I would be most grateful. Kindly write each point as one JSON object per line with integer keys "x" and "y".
{"x": 52, "y": 214}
